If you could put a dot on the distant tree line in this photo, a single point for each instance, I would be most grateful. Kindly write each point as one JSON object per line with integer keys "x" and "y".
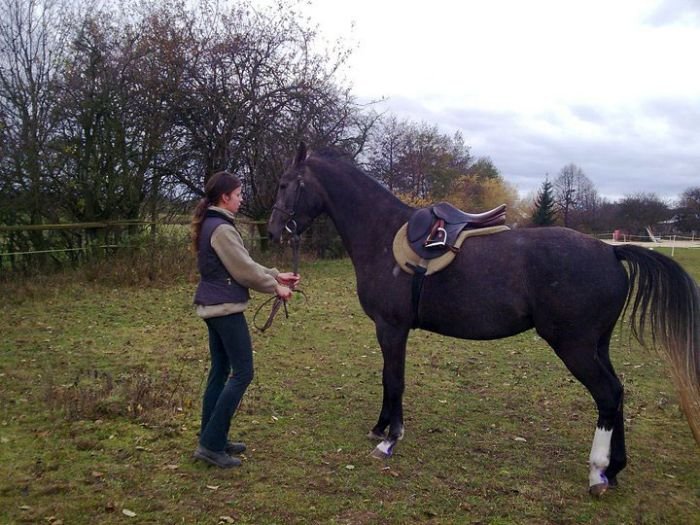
{"x": 571, "y": 200}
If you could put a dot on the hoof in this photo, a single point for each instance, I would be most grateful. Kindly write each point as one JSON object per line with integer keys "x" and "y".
{"x": 598, "y": 490}
{"x": 374, "y": 436}
{"x": 378, "y": 454}
{"x": 383, "y": 450}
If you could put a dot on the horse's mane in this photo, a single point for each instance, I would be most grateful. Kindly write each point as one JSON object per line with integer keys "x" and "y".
{"x": 334, "y": 153}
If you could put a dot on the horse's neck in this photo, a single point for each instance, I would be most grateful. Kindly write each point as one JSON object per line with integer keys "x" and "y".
{"x": 365, "y": 214}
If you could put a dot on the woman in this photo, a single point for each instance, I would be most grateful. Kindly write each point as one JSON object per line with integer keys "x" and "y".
{"x": 226, "y": 273}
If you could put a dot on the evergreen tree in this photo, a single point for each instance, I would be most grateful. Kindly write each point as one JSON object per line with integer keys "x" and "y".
{"x": 544, "y": 212}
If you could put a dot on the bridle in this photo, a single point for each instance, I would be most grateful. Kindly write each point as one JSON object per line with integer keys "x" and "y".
{"x": 291, "y": 224}
{"x": 292, "y": 228}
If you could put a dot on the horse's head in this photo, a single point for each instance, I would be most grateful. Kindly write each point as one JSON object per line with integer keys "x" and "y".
{"x": 297, "y": 202}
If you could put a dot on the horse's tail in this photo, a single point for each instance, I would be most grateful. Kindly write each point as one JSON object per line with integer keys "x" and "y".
{"x": 665, "y": 298}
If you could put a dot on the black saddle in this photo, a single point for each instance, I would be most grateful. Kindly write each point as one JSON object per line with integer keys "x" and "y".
{"x": 432, "y": 231}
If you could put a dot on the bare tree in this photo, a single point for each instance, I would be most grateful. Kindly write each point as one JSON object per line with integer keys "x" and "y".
{"x": 252, "y": 89}
{"x": 576, "y": 198}
{"x": 565, "y": 190}
{"x": 384, "y": 151}
{"x": 32, "y": 38}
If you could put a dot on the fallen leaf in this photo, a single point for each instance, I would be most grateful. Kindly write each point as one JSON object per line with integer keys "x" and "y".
{"x": 129, "y": 513}
{"x": 350, "y": 467}
{"x": 226, "y": 519}
{"x": 521, "y": 439}
{"x": 97, "y": 474}
{"x": 213, "y": 487}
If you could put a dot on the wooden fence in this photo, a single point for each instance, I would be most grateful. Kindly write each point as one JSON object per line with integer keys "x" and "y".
{"x": 35, "y": 245}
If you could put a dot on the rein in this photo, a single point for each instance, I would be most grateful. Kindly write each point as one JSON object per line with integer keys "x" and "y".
{"x": 278, "y": 302}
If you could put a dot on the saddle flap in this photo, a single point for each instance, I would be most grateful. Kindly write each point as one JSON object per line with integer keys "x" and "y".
{"x": 420, "y": 224}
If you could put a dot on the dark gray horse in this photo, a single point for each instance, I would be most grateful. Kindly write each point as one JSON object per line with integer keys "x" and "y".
{"x": 570, "y": 287}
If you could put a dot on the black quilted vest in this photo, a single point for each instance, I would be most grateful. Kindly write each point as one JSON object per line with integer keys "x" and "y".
{"x": 216, "y": 285}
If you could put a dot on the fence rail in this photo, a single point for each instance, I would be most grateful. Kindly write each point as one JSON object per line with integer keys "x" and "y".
{"x": 78, "y": 225}
{"x": 103, "y": 225}
{"x": 107, "y": 224}
{"x": 623, "y": 237}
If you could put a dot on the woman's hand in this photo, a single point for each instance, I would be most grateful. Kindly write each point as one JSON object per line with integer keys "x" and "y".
{"x": 288, "y": 279}
{"x": 283, "y": 292}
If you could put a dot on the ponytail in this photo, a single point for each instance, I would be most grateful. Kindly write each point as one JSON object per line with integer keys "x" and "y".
{"x": 197, "y": 219}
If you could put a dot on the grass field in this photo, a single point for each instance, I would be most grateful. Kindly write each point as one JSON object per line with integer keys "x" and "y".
{"x": 99, "y": 407}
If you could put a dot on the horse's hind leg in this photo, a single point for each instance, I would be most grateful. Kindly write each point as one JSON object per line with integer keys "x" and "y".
{"x": 393, "y": 343}
{"x": 590, "y": 364}
{"x": 618, "y": 452}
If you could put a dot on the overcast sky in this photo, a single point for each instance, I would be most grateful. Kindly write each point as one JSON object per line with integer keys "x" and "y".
{"x": 612, "y": 86}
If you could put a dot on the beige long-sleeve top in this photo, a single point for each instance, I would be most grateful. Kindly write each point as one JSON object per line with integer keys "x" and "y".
{"x": 229, "y": 247}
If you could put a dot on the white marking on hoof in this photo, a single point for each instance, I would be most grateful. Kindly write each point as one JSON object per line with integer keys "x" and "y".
{"x": 599, "y": 460}
{"x": 383, "y": 450}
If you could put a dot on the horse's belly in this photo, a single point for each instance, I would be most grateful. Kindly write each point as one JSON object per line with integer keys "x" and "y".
{"x": 474, "y": 320}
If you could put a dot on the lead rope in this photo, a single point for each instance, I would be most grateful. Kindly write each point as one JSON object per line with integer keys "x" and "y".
{"x": 278, "y": 302}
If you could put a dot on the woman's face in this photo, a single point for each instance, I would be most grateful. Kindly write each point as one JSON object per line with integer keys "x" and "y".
{"x": 231, "y": 201}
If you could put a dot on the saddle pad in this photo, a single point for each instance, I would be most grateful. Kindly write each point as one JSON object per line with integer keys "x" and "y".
{"x": 405, "y": 256}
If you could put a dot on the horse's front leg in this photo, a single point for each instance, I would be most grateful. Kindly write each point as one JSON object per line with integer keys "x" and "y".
{"x": 393, "y": 343}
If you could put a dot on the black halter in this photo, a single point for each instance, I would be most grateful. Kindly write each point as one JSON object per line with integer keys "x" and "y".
{"x": 291, "y": 224}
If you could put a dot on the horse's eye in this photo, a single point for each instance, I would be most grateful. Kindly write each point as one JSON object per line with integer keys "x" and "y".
{"x": 283, "y": 186}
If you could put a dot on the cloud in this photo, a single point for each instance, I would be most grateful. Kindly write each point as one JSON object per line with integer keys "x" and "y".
{"x": 652, "y": 147}
{"x": 608, "y": 86}
{"x": 675, "y": 12}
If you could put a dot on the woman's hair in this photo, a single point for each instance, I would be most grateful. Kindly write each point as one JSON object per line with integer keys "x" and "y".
{"x": 219, "y": 184}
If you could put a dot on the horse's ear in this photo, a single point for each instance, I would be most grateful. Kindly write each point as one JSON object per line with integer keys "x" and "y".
{"x": 301, "y": 154}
